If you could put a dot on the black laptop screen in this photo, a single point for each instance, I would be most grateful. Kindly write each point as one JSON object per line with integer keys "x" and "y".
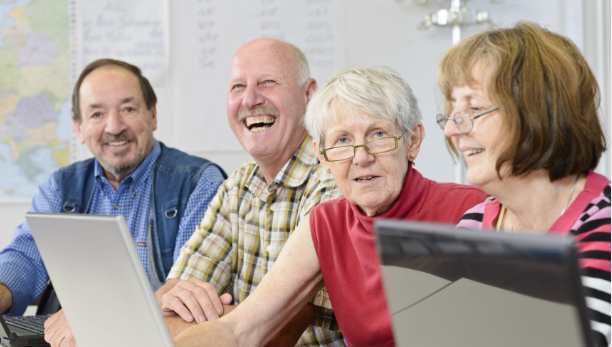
{"x": 449, "y": 287}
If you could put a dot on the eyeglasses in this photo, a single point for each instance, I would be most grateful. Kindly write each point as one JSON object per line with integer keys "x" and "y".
{"x": 463, "y": 121}
{"x": 386, "y": 144}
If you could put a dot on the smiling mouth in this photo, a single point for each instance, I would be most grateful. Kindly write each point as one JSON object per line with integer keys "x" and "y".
{"x": 259, "y": 124}
{"x": 472, "y": 152}
{"x": 364, "y": 179}
{"x": 116, "y": 143}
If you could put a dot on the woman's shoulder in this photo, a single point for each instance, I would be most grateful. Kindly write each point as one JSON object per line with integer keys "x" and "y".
{"x": 596, "y": 215}
{"x": 457, "y": 190}
{"x": 330, "y": 206}
{"x": 454, "y": 197}
{"x": 603, "y": 198}
{"x": 472, "y": 218}
{"x": 597, "y": 185}
{"x": 325, "y": 218}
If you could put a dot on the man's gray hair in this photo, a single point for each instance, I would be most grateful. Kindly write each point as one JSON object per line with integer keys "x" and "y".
{"x": 303, "y": 72}
{"x": 375, "y": 90}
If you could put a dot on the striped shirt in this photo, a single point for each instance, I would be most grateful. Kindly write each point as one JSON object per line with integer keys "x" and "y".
{"x": 588, "y": 219}
{"x": 247, "y": 225}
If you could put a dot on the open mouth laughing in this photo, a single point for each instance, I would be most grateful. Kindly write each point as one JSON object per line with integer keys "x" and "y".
{"x": 258, "y": 119}
{"x": 257, "y": 124}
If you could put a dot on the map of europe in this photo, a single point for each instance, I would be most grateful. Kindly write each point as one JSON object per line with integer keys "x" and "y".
{"x": 34, "y": 94}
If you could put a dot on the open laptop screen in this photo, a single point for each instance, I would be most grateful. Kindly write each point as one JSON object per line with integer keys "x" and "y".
{"x": 100, "y": 280}
{"x": 449, "y": 287}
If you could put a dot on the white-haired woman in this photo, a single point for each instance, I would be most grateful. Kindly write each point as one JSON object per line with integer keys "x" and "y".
{"x": 366, "y": 126}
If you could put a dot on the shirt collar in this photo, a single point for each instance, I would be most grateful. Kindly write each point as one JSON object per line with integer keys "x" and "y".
{"x": 141, "y": 171}
{"x": 295, "y": 172}
{"x": 299, "y": 168}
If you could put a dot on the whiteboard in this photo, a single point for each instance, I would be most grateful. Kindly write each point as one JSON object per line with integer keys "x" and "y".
{"x": 134, "y": 31}
{"x": 207, "y": 33}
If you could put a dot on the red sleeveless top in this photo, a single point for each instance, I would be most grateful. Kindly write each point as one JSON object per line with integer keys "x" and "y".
{"x": 344, "y": 241}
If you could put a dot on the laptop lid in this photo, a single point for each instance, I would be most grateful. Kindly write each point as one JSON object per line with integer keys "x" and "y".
{"x": 458, "y": 287}
{"x": 99, "y": 279}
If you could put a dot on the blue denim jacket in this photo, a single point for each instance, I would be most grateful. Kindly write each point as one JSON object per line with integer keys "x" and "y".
{"x": 175, "y": 175}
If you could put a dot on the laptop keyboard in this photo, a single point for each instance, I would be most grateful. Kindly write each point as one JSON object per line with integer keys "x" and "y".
{"x": 35, "y": 324}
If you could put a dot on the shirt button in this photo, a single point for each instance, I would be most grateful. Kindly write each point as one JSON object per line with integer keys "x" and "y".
{"x": 116, "y": 207}
{"x": 133, "y": 192}
{"x": 269, "y": 248}
{"x": 102, "y": 180}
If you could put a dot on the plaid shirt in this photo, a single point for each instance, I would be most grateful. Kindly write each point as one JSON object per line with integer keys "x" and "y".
{"x": 247, "y": 225}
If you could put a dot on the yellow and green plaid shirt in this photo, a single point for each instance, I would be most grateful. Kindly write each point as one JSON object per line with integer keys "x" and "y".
{"x": 246, "y": 226}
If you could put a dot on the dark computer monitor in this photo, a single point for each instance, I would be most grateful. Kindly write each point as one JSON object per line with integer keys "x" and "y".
{"x": 459, "y": 287}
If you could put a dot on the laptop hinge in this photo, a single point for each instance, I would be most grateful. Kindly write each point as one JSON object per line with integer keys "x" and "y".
{"x": 10, "y": 335}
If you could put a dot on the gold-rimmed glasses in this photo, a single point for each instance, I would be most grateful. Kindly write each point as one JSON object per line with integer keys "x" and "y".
{"x": 339, "y": 153}
{"x": 463, "y": 121}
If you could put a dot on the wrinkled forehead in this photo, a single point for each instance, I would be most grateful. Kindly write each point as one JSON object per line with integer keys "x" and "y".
{"x": 111, "y": 74}
{"x": 341, "y": 113}
{"x": 106, "y": 82}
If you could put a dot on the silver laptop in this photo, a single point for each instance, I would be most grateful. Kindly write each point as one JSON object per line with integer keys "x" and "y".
{"x": 458, "y": 287}
{"x": 100, "y": 280}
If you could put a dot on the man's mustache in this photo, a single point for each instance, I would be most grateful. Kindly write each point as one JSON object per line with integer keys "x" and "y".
{"x": 263, "y": 110}
{"x": 122, "y": 136}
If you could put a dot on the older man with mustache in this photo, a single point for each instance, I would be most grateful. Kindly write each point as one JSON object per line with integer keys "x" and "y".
{"x": 161, "y": 192}
{"x": 259, "y": 205}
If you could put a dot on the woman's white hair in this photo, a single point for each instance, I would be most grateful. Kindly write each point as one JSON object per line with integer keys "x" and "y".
{"x": 375, "y": 90}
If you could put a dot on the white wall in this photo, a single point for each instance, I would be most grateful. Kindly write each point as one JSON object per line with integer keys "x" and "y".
{"x": 385, "y": 32}
{"x": 597, "y": 36}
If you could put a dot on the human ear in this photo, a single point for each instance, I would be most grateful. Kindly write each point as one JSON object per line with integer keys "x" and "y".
{"x": 153, "y": 111}
{"x": 310, "y": 87}
{"x": 77, "y": 126}
{"x": 321, "y": 157}
{"x": 415, "y": 141}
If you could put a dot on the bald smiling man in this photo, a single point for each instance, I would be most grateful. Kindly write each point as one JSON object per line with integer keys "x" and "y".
{"x": 258, "y": 207}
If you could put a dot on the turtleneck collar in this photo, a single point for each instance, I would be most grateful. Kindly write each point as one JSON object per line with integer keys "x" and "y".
{"x": 406, "y": 206}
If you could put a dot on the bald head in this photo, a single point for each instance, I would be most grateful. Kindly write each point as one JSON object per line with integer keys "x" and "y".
{"x": 287, "y": 54}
